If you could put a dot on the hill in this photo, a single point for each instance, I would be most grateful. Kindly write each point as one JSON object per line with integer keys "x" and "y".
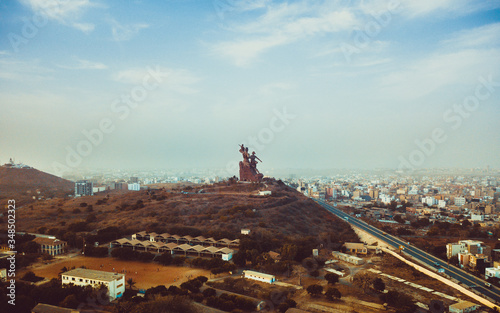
{"x": 22, "y": 184}
{"x": 222, "y": 210}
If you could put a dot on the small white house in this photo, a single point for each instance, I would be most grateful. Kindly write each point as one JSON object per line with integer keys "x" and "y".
{"x": 492, "y": 272}
{"x": 84, "y": 277}
{"x": 266, "y": 278}
{"x": 245, "y": 231}
{"x": 265, "y": 193}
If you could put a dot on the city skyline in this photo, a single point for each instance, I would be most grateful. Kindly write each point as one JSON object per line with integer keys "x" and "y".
{"x": 179, "y": 84}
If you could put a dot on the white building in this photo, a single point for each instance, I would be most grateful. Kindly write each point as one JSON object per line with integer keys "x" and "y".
{"x": 460, "y": 201}
{"x": 442, "y": 204}
{"x": 84, "y": 277}
{"x": 492, "y": 272}
{"x": 453, "y": 249}
{"x": 348, "y": 258}
{"x": 430, "y": 201}
{"x": 266, "y": 278}
{"x": 386, "y": 199}
{"x": 134, "y": 186}
{"x": 477, "y": 217}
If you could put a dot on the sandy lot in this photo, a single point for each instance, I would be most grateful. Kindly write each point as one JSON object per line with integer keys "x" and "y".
{"x": 146, "y": 275}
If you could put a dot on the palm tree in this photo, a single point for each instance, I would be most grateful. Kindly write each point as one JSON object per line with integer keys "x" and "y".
{"x": 63, "y": 270}
{"x": 131, "y": 283}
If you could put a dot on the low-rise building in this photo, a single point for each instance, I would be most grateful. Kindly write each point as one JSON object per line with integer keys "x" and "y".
{"x": 114, "y": 282}
{"x": 51, "y": 246}
{"x": 358, "y": 248}
{"x": 348, "y": 258}
{"x": 463, "y": 307}
{"x": 490, "y": 272}
{"x": 266, "y": 278}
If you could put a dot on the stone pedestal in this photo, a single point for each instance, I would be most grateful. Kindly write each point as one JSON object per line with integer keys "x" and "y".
{"x": 247, "y": 173}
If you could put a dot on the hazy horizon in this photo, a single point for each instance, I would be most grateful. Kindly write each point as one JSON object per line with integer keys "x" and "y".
{"x": 320, "y": 85}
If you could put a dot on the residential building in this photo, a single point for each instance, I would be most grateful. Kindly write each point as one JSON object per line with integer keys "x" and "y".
{"x": 134, "y": 186}
{"x": 266, "y": 278}
{"x": 83, "y": 188}
{"x": 348, "y": 258}
{"x": 358, "y": 248}
{"x": 453, "y": 249}
{"x": 477, "y": 217}
{"x": 463, "y": 307}
{"x": 492, "y": 272}
{"x": 460, "y": 201}
{"x": 114, "y": 282}
{"x": 51, "y": 246}
{"x": 473, "y": 247}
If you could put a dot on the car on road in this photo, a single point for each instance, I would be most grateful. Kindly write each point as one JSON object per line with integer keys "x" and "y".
{"x": 437, "y": 264}
{"x": 487, "y": 284}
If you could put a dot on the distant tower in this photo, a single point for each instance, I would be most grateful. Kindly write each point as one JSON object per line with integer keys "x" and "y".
{"x": 84, "y": 188}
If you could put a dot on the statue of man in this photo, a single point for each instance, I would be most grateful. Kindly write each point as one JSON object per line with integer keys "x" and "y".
{"x": 253, "y": 162}
{"x": 244, "y": 152}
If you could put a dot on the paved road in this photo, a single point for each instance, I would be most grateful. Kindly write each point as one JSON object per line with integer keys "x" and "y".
{"x": 462, "y": 276}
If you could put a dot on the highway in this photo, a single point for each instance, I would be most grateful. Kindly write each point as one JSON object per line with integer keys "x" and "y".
{"x": 431, "y": 261}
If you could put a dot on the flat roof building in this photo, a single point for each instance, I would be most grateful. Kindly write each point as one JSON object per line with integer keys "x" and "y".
{"x": 266, "y": 278}
{"x": 85, "y": 277}
{"x": 463, "y": 307}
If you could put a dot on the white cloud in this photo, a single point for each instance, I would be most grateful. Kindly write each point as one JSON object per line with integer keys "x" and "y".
{"x": 440, "y": 70}
{"x": 484, "y": 36}
{"x": 283, "y": 24}
{"x": 456, "y": 7}
{"x": 12, "y": 69}
{"x": 63, "y": 11}
{"x": 178, "y": 80}
{"x": 85, "y": 65}
{"x": 125, "y": 32}
{"x": 274, "y": 87}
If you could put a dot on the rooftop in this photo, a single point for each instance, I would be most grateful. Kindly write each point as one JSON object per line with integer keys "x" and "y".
{"x": 93, "y": 274}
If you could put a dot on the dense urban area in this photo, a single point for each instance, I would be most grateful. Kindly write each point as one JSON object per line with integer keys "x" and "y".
{"x": 137, "y": 241}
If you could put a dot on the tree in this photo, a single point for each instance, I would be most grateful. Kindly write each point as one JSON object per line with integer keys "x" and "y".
{"x": 399, "y": 219}
{"x": 209, "y": 292}
{"x": 333, "y": 293}
{"x": 165, "y": 258}
{"x": 131, "y": 283}
{"x": 70, "y": 301}
{"x": 175, "y": 304}
{"x": 314, "y": 273}
{"x": 402, "y": 302}
{"x": 332, "y": 278}
{"x": 378, "y": 284}
{"x": 315, "y": 290}
{"x": 239, "y": 258}
{"x": 288, "y": 252}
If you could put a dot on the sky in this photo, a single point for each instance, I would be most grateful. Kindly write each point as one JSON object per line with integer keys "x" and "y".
{"x": 305, "y": 84}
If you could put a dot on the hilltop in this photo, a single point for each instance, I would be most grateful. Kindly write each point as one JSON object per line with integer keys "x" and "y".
{"x": 23, "y": 183}
{"x": 223, "y": 208}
